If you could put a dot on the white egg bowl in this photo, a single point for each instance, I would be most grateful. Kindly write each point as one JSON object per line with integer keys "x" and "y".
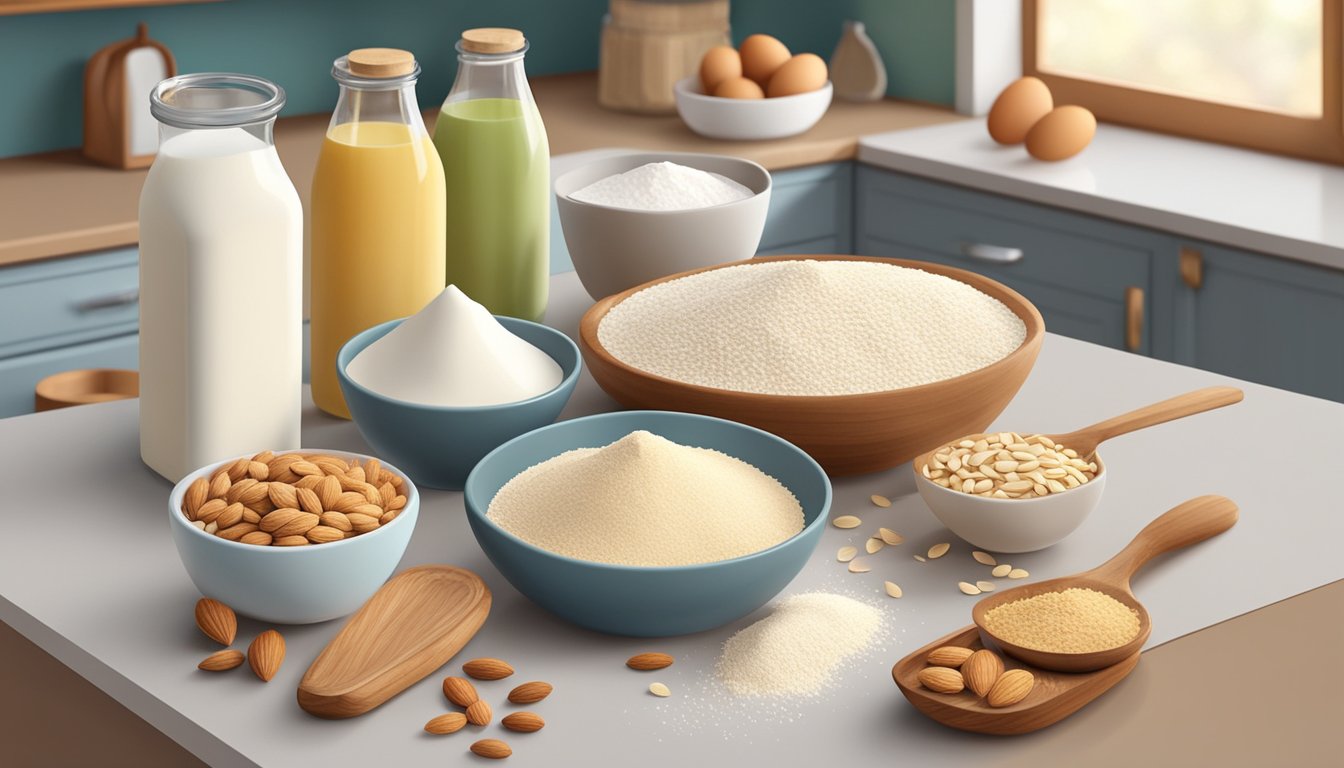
{"x": 749, "y": 119}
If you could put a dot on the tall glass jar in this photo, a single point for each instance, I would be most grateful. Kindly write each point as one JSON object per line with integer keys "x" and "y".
{"x": 376, "y": 226}
{"x": 221, "y": 278}
{"x": 497, "y": 163}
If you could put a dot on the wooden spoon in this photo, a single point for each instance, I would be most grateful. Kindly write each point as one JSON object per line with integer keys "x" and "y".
{"x": 412, "y": 626}
{"x": 1188, "y": 523}
{"x": 1086, "y": 440}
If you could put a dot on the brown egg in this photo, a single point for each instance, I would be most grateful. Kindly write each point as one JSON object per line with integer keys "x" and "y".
{"x": 761, "y": 56}
{"x": 800, "y": 74}
{"x": 1063, "y": 133}
{"x": 739, "y": 88}
{"x": 719, "y": 63}
{"x": 1018, "y": 108}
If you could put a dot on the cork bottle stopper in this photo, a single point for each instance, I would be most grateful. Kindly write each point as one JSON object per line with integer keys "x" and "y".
{"x": 492, "y": 40}
{"x": 380, "y": 62}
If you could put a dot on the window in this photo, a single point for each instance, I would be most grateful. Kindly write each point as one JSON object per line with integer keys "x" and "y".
{"x": 1264, "y": 74}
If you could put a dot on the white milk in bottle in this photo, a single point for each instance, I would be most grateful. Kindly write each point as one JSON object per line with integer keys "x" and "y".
{"x": 221, "y": 278}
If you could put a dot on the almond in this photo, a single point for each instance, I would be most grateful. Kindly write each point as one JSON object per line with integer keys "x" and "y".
{"x": 309, "y": 502}
{"x": 530, "y": 693}
{"x": 328, "y": 491}
{"x": 398, "y": 502}
{"x": 237, "y": 531}
{"x": 363, "y": 523}
{"x": 348, "y": 501}
{"x": 258, "y": 538}
{"x": 305, "y": 469}
{"x": 210, "y": 510}
{"x": 238, "y": 469}
{"x": 492, "y": 749}
{"x": 948, "y": 656}
{"x": 356, "y": 473}
{"x": 231, "y": 516}
{"x": 388, "y": 493}
{"x": 1012, "y": 687}
{"x": 283, "y": 495}
{"x": 373, "y": 471}
{"x": 196, "y": 496}
{"x": 981, "y": 671}
{"x": 460, "y": 691}
{"x": 336, "y": 520}
{"x": 264, "y": 457}
{"x": 331, "y": 466}
{"x": 941, "y": 679}
{"x": 309, "y": 481}
{"x": 487, "y": 669}
{"x": 478, "y": 713}
{"x": 237, "y": 490}
{"x": 220, "y": 661}
{"x": 257, "y": 470}
{"x": 216, "y": 620}
{"x": 288, "y": 522}
{"x": 449, "y": 723}
{"x": 290, "y": 541}
{"x": 524, "y": 722}
{"x": 321, "y": 534}
{"x": 219, "y": 485}
{"x": 253, "y": 516}
{"x": 266, "y": 654}
{"x": 388, "y": 516}
{"x": 645, "y": 662}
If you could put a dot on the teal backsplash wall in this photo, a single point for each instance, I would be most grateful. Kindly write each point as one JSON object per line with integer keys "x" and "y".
{"x": 294, "y": 41}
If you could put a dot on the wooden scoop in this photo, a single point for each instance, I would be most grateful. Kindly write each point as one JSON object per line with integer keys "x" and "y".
{"x": 408, "y": 629}
{"x": 1188, "y": 523}
{"x": 1086, "y": 440}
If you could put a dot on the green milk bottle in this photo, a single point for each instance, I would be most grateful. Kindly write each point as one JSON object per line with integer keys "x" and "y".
{"x": 496, "y": 162}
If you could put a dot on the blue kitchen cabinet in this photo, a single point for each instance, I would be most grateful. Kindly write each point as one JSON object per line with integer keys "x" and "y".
{"x": 811, "y": 210}
{"x": 1260, "y": 318}
{"x": 20, "y": 374}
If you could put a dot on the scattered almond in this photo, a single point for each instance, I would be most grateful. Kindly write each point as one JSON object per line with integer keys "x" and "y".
{"x": 460, "y": 691}
{"x": 984, "y": 558}
{"x": 1011, "y": 688}
{"x": 941, "y": 680}
{"x": 523, "y": 722}
{"x": 846, "y": 554}
{"x": 487, "y": 669}
{"x": 880, "y": 500}
{"x": 948, "y": 656}
{"x": 445, "y": 724}
{"x": 492, "y": 749}
{"x": 981, "y": 671}
{"x": 530, "y": 693}
{"x": 478, "y": 713}
{"x": 216, "y": 620}
{"x": 846, "y": 521}
{"x": 1001, "y": 570}
{"x": 220, "y": 661}
{"x": 266, "y": 654}
{"x": 892, "y": 589}
{"x": 648, "y": 661}
{"x": 938, "y": 550}
{"x": 660, "y": 690}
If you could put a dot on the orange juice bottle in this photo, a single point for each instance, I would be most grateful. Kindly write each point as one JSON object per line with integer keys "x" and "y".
{"x": 376, "y": 220}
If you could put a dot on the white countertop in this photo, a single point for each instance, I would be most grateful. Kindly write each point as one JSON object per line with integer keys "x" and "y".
{"x": 89, "y": 573}
{"x": 1200, "y": 190}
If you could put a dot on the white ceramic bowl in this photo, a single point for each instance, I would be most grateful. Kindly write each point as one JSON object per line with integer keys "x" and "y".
{"x": 1011, "y": 525}
{"x": 617, "y": 248}
{"x": 292, "y": 585}
{"x": 749, "y": 119}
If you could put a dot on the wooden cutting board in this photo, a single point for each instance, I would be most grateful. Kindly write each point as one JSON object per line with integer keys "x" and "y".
{"x": 411, "y": 627}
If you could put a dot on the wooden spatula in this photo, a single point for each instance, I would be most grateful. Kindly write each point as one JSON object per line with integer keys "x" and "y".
{"x": 412, "y": 626}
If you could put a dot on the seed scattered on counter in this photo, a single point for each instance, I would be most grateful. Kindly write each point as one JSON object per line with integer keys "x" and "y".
{"x": 645, "y": 662}
{"x": 985, "y": 586}
{"x": 523, "y": 722}
{"x": 938, "y": 550}
{"x": 460, "y": 691}
{"x": 880, "y": 500}
{"x": 1001, "y": 570}
{"x": 1011, "y": 688}
{"x": 873, "y": 546}
{"x": 479, "y": 713}
{"x": 1018, "y": 573}
{"x": 858, "y": 565}
{"x": 216, "y": 620}
{"x": 846, "y": 521}
{"x": 981, "y": 670}
{"x": 530, "y": 692}
{"x": 846, "y": 554}
{"x": 890, "y": 537}
{"x": 1007, "y": 465}
{"x": 948, "y": 656}
{"x": 451, "y": 722}
{"x": 941, "y": 680}
{"x": 487, "y": 669}
{"x": 220, "y": 661}
{"x": 984, "y": 558}
{"x": 266, "y": 654}
{"x": 920, "y": 558}
{"x": 892, "y": 589}
{"x": 1074, "y": 620}
{"x": 491, "y": 749}
{"x": 968, "y": 588}
{"x": 660, "y": 690}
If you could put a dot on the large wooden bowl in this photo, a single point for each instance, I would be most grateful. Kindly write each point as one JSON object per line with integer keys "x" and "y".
{"x": 846, "y": 434}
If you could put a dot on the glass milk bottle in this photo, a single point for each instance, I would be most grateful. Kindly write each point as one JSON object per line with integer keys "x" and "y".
{"x": 497, "y": 163}
{"x": 221, "y": 278}
{"x": 376, "y": 226}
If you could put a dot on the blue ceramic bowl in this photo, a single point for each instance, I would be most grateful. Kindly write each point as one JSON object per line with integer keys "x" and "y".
{"x": 438, "y": 445}
{"x": 281, "y": 584}
{"x": 660, "y": 601}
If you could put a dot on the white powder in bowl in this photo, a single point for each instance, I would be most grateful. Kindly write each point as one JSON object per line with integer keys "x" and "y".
{"x": 799, "y": 648}
{"x": 662, "y": 187}
{"x": 811, "y": 328}
{"x": 647, "y": 501}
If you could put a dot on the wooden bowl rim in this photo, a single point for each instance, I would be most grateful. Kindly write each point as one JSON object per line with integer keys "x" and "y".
{"x": 59, "y": 387}
{"x": 1015, "y": 302}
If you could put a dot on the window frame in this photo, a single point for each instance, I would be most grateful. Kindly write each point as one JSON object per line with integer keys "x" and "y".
{"x": 1313, "y": 138}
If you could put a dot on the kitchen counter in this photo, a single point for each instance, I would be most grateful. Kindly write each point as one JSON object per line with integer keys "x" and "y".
{"x": 1252, "y": 200}
{"x": 58, "y": 204}
{"x": 88, "y": 573}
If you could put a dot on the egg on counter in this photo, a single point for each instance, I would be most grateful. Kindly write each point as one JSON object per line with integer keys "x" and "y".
{"x": 1062, "y": 133}
{"x": 720, "y": 63}
{"x": 1017, "y": 109}
{"x": 739, "y": 88}
{"x": 761, "y": 56}
{"x": 801, "y": 74}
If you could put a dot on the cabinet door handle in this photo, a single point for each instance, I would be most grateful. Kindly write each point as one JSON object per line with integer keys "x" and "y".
{"x": 995, "y": 254}
{"x": 111, "y": 300}
{"x": 1192, "y": 267}
{"x": 1133, "y": 318}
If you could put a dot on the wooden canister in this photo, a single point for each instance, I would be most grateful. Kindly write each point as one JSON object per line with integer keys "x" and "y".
{"x": 648, "y": 45}
{"x": 118, "y": 130}
{"x": 61, "y": 390}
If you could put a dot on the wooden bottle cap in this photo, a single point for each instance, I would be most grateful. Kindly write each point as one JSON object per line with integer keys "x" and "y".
{"x": 381, "y": 62}
{"x": 492, "y": 40}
